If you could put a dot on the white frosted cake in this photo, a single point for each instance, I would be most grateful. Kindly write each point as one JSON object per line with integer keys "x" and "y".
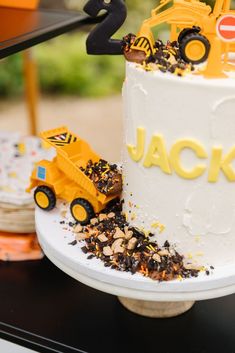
{"x": 178, "y": 161}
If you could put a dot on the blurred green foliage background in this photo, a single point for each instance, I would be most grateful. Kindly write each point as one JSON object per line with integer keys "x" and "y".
{"x": 65, "y": 68}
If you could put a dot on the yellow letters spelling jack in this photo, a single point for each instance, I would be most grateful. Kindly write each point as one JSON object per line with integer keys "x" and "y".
{"x": 157, "y": 156}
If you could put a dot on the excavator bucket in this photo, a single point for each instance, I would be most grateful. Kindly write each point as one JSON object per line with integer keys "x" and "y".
{"x": 144, "y": 41}
{"x": 143, "y": 44}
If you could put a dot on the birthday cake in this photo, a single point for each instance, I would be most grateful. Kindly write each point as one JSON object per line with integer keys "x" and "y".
{"x": 178, "y": 161}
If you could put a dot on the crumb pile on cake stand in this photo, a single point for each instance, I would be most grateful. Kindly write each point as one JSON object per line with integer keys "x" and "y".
{"x": 62, "y": 242}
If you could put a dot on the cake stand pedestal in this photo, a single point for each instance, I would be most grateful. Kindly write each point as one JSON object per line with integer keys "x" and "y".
{"x": 156, "y": 309}
{"x": 137, "y": 293}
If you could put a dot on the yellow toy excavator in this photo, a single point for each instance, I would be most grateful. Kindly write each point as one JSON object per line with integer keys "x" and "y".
{"x": 193, "y": 23}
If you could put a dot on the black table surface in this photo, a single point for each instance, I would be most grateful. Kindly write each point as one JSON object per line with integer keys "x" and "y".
{"x": 44, "y": 309}
{"x": 21, "y": 29}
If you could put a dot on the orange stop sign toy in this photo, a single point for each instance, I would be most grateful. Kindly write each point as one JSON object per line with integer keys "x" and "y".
{"x": 225, "y": 28}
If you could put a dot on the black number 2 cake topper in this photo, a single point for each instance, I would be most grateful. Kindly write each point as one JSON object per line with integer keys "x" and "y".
{"x": 100, "y": 39}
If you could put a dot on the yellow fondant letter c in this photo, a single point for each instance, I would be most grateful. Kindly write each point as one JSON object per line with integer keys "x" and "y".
{"x": 175, "y": 158}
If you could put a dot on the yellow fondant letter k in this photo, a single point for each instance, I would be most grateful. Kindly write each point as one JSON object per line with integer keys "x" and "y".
{"x": 218, "y": 162}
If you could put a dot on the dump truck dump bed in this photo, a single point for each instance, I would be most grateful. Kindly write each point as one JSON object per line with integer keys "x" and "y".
{"x": 73, "y": 153}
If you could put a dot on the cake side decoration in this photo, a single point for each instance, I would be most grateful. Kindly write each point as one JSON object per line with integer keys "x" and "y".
{"x": 220, "y": 161}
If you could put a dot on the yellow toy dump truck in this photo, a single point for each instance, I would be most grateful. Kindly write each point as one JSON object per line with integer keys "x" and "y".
{"x": 64, "y": 177}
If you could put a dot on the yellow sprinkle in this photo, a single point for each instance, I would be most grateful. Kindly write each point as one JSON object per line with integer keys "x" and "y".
{"x": 133, "y": 216}
{"x": 158, "y": 225}
{"x": 21, "y": 148}
{"x": 180, "y": 277}
{"x": 199, "y": 254}
{"x": 146, "y": 233}
{"x": 152, "y": 247}
{"x": 155, "y": 225}
{"x": 126, "y": 216}
{"x": 12, "y": 175}
{"x": 104, "y": 172}
{"x": 189, "y": 256}
{"x": 137, "y": 206}
{"x": 172, "y": 51}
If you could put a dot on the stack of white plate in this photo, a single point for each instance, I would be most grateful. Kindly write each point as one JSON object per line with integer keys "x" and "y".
{"x": 18, "y": 155}
{"x": 17, "y": 219}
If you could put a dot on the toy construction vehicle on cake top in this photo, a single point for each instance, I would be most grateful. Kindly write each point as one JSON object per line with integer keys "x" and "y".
{"x": 77, "y": 175}
{"x": 202, "y": 33}
{"x": 199, "y": 30}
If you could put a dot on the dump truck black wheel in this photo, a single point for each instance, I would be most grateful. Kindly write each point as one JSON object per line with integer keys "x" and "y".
{"x": 45, "y": 198}
{"x": 187, "y": 31}
{"x": 81, "y": 210}
{"x": 194, "y": 48}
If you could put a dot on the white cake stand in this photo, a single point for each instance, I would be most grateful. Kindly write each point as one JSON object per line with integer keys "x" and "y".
{"x": 137, "y": 293}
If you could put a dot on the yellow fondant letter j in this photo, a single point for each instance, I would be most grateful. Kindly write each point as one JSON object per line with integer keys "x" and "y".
{"x": 137, "y": 152}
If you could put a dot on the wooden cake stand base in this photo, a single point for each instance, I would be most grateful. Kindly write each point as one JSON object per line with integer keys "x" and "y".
{"x": 156, "y": 309}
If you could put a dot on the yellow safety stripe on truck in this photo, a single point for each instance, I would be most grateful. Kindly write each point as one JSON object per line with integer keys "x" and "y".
{"x": 142, "y": 43}
{"x": 59, "y": 137}
{"x": 63, "y": 139}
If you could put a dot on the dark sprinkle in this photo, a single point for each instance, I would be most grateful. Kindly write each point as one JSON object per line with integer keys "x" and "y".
{"x": 90, "y": 257}
{"x": 73, "y": 242}
{"x": 84, "y": 249}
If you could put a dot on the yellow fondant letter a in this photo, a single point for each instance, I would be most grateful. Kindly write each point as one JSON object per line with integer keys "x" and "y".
{"x": 157, "y": 154}
{"x": 176, "y": 163}
{"x": 136, "y": 153}
{"x": 218, "y": 162}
